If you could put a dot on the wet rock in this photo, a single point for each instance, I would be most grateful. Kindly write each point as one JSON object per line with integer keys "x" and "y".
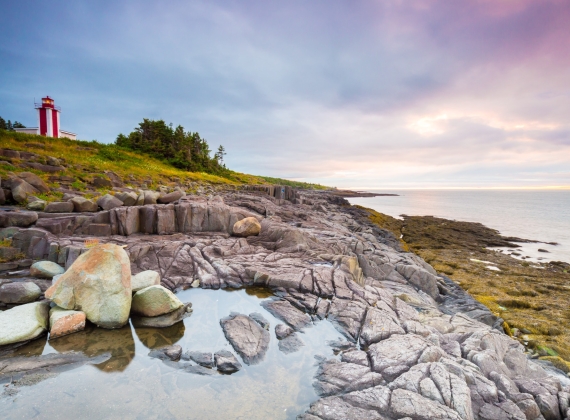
{"x": 144, "y": 279}
{"x": 163, "y": 321}
{"x": 282, "y": 331}
{"x": 257, "y": 317}
{"x": 24, "y": 322}
{"x": 108, "y": 202}
{"x": 99, "y": 284}
{"x": 83, "y": 205}
{"x": 203, "y": 359}
{"x": 247, "y": 337}
{"x": 36, "y": 205}
{"x": 35, "y": 181}
{"x": 334, "y": 377}
{"x": 59, "y": 207}
{"x": 167, "y": 353}
{"x": 18, "y": 293}
{"x": 154, "y": 301}
{"x": 283, "y": 310}
{"x": 46, "y": 269}
{"x": 246, "y": 227}
{"x": 64, "y": 321}
{"x": 170, "y": 198}
{"x": 29, "y": 364}
{"x": 199, "y": 370}
{"x": 226, "y": 362}
{"x": 290, "y": 344}
{"x": 18, "y": 218}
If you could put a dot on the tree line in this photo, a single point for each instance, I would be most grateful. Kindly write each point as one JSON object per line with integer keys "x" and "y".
{"x": 8, "y": 125}
{"x": 182, "y": 149}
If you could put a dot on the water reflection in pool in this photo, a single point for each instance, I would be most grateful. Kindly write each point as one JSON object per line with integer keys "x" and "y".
{"x": 131, "y": 385}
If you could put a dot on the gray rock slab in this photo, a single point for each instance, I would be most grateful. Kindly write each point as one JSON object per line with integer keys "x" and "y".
{"x": 247, "y": 337}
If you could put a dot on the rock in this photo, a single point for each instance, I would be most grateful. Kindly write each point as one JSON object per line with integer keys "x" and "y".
{"x": 379, "y": 325}
{"x": 203, "y": 359}
{"x": 163, "y": 321}
{"x": 21, "y": 292}
{"x": 99, "y": 284}
{"x": 357, "y": 357}
{"x": 46, "y": 269}
{"x": 8, "y": 253}
{"x": 35, "y": 181}
{"x": 21, "y": 189}
{"x": 246, "y": 227}
{"x": 548, "y": 406}
{"x": 128, "y": 198}
{"x": 169, "y": 198}
{"x": 59, "y": 207}
{"x": 226, "y": 362}
{"x": 154, "y": 301}
{"x": 397, "y": 351}
{"x": 404, "y": 403}
{"x": 282, "y": 309}
{"x": 24, "y": 322}
{"x": 290, "y": 344}
{"x": 53, "y": 161}
{"x": 282, "y": 331}
{"x": 108, "y": 202}
{"x": 82, "y": 205}
{"x": 100, "y": 182}
{"x": 2, "y": 195}
{"x": 18, "y": 218}
{"x": 334, "y": 377}
{"x": 506, "y": 410}
{"x": 144, "y": 279}
{"x": 63, "y": 322}
{"x": 257, "y": 317}
{"x": 167, "y": 353}
{"x": 247, "y": 337}
{"x": 150, "y": 197}
{"x": 37, "y": 205}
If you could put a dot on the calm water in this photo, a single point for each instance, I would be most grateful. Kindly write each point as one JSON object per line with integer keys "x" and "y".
{"x": 132, "y": 385}
{"x": 542, "y": 215}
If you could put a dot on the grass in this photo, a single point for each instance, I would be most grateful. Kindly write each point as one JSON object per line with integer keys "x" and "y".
{"x": 85, "y": 160}
{"x": 531, "y": 297}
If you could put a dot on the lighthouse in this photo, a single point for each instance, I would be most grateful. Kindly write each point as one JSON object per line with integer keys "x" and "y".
{"x": 48, "y": 117}
{"x": 48, "y": 121}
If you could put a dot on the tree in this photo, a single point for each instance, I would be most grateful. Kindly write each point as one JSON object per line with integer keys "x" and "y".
{"x": 219, "y": 156}
{"x": 3, "y": 125}
{"x": 18, "y": 125}
{"x": 184, "y": 150}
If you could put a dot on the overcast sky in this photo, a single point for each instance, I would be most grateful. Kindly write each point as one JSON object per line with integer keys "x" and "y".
{"x": 363, "y": 94}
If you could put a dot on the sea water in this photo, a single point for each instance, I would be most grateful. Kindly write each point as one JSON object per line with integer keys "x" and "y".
{"x": 542, "y": 215}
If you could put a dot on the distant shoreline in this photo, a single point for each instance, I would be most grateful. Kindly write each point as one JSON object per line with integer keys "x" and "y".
{"x": 354, "y": 194}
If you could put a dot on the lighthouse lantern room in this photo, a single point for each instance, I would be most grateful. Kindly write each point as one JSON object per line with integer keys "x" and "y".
{"x": 48, "y": 117}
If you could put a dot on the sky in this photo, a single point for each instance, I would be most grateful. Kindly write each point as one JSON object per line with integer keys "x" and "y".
{"x": 356, "y": 94}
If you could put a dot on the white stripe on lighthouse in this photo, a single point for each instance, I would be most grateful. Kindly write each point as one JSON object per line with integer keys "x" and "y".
{"x": 58, "y": 126}
{"x": 49, "y": 123}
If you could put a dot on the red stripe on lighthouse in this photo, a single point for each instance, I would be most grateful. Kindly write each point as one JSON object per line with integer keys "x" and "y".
{"x": 43, "y": 122}
{"x": 55, "y": 127}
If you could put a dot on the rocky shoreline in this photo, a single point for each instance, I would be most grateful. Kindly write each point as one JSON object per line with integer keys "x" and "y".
{"x": 416, "y": 344}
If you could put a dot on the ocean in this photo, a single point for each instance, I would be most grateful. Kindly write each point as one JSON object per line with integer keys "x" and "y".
{"x": 542, "y": 215}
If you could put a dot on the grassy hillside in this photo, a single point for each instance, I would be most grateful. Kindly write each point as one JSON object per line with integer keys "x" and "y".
{"x": 84, "y": 160}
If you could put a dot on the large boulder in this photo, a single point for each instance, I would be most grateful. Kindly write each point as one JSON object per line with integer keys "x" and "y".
{"x": 163, "y": 321}
{"x": 246, "y": 336}
{"x": 128, "y": 198}
{"x": 21, "y": 292}
{"x": 247, "y": 227}
{"x": 99, "y": 284}
{"x": 21, "y": 189}
{"x": 81, "y": 205}
{"x": 23, "y": 323}
{"x": 144, "y": 279}
{"x": 108, "y": 202}
{"x": 18, "y": 218}
{"x": 35, "y": 181}
{"x": 169, "y": 198}
{"x": 155, "y": 301}
{"x": 64, "y": 321}
{"x": 36, "y": 205}
{"x": 59, "y": 207}
{"x": 46, "y": 269}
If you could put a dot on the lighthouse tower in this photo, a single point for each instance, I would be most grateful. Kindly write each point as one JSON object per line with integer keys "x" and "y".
{"x": 48, "y": 117}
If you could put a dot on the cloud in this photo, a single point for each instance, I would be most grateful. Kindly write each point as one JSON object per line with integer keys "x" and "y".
{"x": 370, "y": 94}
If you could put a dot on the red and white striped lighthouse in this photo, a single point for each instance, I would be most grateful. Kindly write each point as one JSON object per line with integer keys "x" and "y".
{"x": 48, "y": 117}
